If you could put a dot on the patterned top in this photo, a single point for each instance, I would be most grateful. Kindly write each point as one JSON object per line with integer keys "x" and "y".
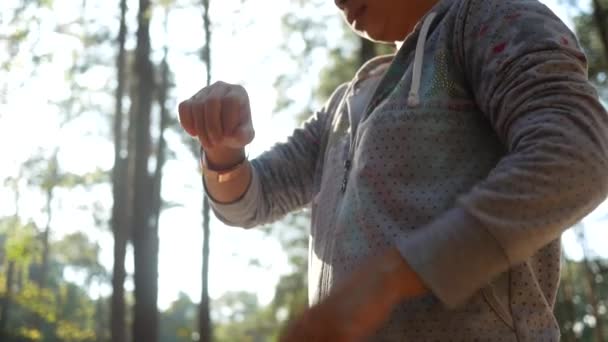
{"x": 474, "y": 186}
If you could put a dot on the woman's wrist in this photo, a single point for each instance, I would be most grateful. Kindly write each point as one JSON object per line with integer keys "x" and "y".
{"x": 224, "y": 158}
{"x": 401, "y": 280}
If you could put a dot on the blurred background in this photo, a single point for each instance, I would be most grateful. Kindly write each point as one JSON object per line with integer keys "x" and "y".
{"x": 104, "y": 233}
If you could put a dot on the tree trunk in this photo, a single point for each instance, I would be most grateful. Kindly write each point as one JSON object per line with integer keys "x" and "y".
{"x": 145, "y": 238}
{"x": 100, "y": 321}
{"x": 206, "y": 55}
{"x": 160, "y": 152}
{"x": 161, "y": 145}
{"x": 120, "y": 212}
{"x": 44, "y": 265}
{"x": 204, "y": 315}
{"x": 40, "y": 278}
{"x": 51, "y": 180}
{"x": 5, "y": 307}
{"x": 18, "y": 280}
{"x": 6, "y": 301}
{"x": 204, "y": 318}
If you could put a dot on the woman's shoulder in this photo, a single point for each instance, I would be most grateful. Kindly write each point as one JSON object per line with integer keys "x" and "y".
{"x": 499, "y": 12}
{"x": 336, "y": 97}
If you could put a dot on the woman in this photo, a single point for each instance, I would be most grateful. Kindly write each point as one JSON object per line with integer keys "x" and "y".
{"x": 440, "y": 178}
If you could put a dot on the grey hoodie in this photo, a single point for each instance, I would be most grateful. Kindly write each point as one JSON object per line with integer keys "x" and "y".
{"x": 481, "y": 144}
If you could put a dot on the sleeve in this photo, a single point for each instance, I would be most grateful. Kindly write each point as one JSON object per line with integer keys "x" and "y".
{"x": 529, "y": 78}
{"x": 282, "y": 178}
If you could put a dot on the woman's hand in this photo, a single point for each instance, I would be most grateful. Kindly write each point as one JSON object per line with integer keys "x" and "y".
{"x": 347, "y": 315}
{"x": 358, "y": 307}
{"x": 220, "y": 117}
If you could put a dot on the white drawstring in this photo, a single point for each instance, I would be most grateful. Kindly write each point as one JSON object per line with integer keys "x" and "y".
{"x": 413, "y": 99}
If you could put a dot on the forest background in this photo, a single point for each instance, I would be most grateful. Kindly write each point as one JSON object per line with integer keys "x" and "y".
{"x": 104, "y": 233}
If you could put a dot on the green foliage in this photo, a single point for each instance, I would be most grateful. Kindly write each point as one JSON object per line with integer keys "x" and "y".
{"x": 343, "y": 63}
{"x": 68, "y": 331}
{"x": 27, "y": 334}
{"x": 342, "y": 54}
{"x": 291, "y": 293}
{"x": 574, "y": 309}
{"x": 178, "y": 322}
{"x": 67, "y": 313}
{"x": 65, "y": 310}
{"x": 590, "y": 39}
{"x": 340, "y": 69}
{"x": 45, "y": 173}
{"x": 37, "y": 301}
{"x": 239, "y": 317}
{"x": 45, "y": 3}
{"x": 304, "y": 35}
{"x": 76, "y": 316}
{"x": 79, "y": 252}
{"x": 20, "y": 240}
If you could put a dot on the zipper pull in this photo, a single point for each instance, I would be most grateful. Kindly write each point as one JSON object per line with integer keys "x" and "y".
{"x": 347, "y": 166}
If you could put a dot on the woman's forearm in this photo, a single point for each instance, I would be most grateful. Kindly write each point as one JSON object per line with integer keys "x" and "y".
{"x": 233, "y": 189}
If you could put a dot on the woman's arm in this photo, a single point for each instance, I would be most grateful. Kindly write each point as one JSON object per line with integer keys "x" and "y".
{"x": 220, "y": 117}
{"x": 270, "y": 186}
{"x": 529, "y": 78}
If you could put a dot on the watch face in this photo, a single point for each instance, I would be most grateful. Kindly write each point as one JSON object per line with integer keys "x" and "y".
{"x": 223, "y": 178}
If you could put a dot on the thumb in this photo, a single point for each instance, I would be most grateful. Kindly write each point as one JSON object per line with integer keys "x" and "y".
{"x": 186, "y": 118}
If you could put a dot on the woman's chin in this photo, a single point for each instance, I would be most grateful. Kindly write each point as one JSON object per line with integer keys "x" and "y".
{"x": 376, "y": 36}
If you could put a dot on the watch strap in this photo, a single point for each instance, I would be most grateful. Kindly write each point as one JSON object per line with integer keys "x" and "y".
{"x": 222, "y": 175}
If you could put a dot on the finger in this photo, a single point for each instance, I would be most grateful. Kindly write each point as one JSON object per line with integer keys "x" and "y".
{"x": 232, "y": 109}
{"x": 201, "y": 94}
{"x": 185, "y": 117}
{"x": 198, "y": 109}
{"x": 238, "y": 128}
{"x": 213, "y": 121}
{"x": 241, "y": 137}
{"x": 213, "y": 112}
